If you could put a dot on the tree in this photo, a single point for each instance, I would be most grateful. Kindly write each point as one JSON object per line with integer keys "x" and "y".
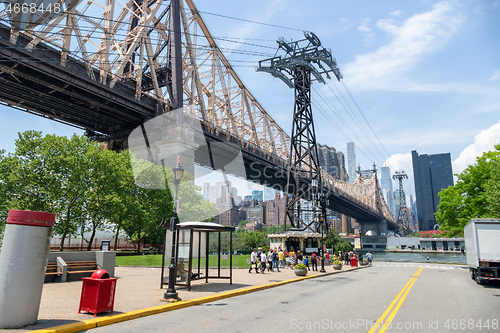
{"x": 337, "y": 243}
{"x": 493, "y": 187}
{"x": 49, "y": 174}
{"x": 253, "y": 239}
{"x": 475, "y": 194}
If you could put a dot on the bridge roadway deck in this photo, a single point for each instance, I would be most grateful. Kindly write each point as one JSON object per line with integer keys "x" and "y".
{"x": 138, "y": 288}
{"x": 36, "y": 82}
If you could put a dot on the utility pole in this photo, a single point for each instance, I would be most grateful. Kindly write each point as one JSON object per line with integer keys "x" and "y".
{"x": 402, "y": 220}
{"x": 303, "y": 62}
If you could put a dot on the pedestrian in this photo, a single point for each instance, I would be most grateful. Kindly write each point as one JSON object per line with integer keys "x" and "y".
{"x": 346, "y": 257}
{"x": 269, "y": 260}
{"x": 275, "y": 260}
{"x": 299, "y": 257}
{"x": 314, "y": 261}
{"x": 292, "y": 258}
{"x": 369, "y": 257}
{"x": 306, "y": 262}
{"x": 349, "y": 257}
{"x": 292, "y": 261}
{"x": 327, "y": 258}
{"x": 281, "y": 257}
{"x": 253, "y": 259}
{"x": 263, "y": 259}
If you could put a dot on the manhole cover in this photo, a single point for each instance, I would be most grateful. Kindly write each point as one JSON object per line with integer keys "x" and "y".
{"x": 284, "y": 302}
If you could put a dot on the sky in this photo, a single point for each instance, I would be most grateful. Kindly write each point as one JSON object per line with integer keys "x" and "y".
{"x": 417, "y": 75}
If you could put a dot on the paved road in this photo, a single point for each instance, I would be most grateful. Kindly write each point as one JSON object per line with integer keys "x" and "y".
{"x": 434, "y": 298}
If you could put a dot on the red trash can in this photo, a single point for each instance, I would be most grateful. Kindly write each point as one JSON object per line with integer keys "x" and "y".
{"x": 354, "y": 262}
{"x": 98, "y": 293}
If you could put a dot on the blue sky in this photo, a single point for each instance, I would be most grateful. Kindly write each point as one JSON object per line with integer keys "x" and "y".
{"x": 425, "y": 74}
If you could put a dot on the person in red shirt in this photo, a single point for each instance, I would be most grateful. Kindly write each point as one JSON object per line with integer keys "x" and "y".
{"x": 327, "y": 258}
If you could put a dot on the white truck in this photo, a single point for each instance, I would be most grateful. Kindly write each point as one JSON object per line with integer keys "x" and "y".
{"x": 482, "y": 243}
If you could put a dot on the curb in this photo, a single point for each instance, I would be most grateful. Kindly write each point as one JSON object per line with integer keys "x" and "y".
{"x": 113, "y": 319}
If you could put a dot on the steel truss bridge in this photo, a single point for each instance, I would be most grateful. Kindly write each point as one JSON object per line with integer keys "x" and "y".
{"x": 104, "y": 66}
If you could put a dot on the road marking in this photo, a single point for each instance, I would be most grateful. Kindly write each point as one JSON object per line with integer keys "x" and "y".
{"x": 400, "y": 297}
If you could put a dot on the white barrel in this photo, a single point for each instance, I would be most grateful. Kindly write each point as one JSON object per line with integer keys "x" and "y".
{"x": 23, "y": 261}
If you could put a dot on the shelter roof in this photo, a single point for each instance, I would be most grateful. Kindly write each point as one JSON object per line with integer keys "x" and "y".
{"x": 204, "y": 226}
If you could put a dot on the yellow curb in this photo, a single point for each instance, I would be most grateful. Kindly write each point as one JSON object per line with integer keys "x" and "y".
{"x": 69, "y": 328}
{"x": 113, "y": 319}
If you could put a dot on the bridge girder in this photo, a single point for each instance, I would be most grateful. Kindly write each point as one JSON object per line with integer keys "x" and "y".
{"x": 74, "y": 72}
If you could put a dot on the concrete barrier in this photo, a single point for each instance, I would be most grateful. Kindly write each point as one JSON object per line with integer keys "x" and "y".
{"x": 105, "y": 260}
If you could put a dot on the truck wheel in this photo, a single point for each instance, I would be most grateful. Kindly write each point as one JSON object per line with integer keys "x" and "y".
{"x": 477, "y": 279}
{"x": 472, "y": 274}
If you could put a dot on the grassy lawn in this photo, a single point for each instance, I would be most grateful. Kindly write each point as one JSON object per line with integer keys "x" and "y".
{"x": 155, "y": 260}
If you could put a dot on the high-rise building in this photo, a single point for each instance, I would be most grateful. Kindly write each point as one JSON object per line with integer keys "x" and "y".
{"x": 332, "y": 161}
{"x": 386, "y": 187}
{"x": 221, "y": 192}
{"x": 351, "y": 161}
{"x": 206, "y": 190}
{"x": 258, "y": 195}
{"x": 431, "y": 173}
{"x": 276, "y": 210}
{"x": 269, "y": 193}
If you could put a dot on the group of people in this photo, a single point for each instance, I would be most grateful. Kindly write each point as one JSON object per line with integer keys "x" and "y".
{"x": 348, "y": 255}
{"x": 274, "y": 259}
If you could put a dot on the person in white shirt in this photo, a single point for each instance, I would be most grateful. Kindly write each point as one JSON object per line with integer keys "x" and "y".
{"x": 263, "y": 261}
{"x": 253, "y": 258}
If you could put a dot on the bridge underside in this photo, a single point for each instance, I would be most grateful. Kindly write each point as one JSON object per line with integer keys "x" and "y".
{"x": 36, "y": 82}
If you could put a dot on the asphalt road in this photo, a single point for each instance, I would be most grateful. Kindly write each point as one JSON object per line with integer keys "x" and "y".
{"x": 387, "y": 297}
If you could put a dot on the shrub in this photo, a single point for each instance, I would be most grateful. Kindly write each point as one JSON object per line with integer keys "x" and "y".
{"x": 337, "y": 262}
{"x": 300, "y": 266}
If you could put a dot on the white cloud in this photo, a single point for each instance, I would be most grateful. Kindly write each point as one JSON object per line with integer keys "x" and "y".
{"x": 496, "y": 75}
{"x": 416, "y": 37}
{"x": 402, "y": 162}
{"x": 483, "y": 142}
{"x": 367, "y": 32}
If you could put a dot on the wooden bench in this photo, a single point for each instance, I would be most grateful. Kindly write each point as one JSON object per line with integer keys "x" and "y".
{"x": 52, "y": 269}
{"x": 78, "y": 267}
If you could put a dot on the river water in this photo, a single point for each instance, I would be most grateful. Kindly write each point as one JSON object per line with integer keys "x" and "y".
{"x": 453, "y": 258}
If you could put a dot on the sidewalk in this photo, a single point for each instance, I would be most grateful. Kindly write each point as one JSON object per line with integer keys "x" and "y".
{"x": 139, "y": 288}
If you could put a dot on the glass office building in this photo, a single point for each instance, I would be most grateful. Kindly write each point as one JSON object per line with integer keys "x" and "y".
{"x": 431, "y": 173}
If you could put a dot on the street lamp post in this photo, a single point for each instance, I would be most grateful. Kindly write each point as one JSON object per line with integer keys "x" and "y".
{"x": 178, "y": 171}
{"x": 322, "y": 221}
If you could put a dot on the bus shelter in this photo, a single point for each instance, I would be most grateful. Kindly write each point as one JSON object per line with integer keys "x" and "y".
{"x": 192, "y": 252}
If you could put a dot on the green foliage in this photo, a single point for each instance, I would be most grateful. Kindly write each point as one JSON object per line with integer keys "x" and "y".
{"x": 253, "y": 239}
{"x": 88, "y": 188}
{"x": 337, "y": 243}
{"x": 337, "y": 262}
{"x": 475, "y": 195}
{"x": 300, "y": 266}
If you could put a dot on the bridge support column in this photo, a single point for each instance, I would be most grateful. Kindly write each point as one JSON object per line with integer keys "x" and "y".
{"x": 377, "y": 227}
{"x": 345, "y": 224}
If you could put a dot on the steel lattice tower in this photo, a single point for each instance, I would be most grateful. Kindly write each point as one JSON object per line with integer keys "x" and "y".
{"x": 303, "y": 62}
{"x": 402, "y": 220}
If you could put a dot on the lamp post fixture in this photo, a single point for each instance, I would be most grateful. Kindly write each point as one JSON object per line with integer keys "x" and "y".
{"x": 178, "y": 171}
{"x": 322, "y": 224}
